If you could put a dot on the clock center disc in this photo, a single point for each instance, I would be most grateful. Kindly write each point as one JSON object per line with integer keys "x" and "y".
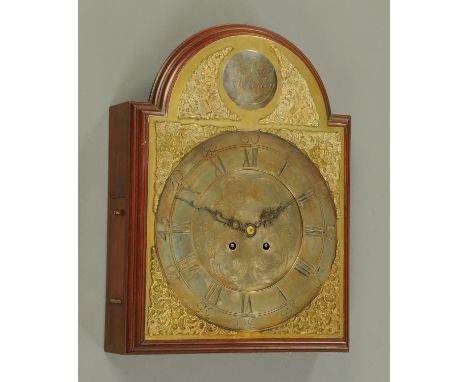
{"x": 250, "y": 230}
{"x": 246, "y": 261}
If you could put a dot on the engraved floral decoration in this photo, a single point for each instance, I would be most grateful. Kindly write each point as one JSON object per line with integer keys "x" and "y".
{"x": 167, "y": 316}
{"x": 200, "y": 98}
{"x": 295, "y": 106}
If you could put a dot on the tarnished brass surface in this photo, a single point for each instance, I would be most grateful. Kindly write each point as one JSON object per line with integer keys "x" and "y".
{"x": 297, "y": 114}
{"x": 249, "y": 79}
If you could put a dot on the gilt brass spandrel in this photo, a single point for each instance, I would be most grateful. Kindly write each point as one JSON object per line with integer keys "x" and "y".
{"x": 200, "y": 98}
{"x": 296, "y": 105}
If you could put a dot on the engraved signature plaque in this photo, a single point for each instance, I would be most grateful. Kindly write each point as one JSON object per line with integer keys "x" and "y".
{"x": 249, "y": 79}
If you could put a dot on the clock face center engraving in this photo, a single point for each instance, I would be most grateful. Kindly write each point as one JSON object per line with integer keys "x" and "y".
{"x": 249, "y": 80}
{"x": 242, "y": 195}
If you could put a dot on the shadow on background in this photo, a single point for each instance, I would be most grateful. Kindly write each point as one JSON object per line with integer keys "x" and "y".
{"x": 284, "y": 367}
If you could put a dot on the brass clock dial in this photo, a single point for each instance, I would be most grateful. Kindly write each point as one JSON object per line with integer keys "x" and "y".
{"x": 246, "y": 230}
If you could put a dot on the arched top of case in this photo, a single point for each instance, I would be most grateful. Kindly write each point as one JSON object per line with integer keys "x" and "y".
{"x": 285, "y": 55}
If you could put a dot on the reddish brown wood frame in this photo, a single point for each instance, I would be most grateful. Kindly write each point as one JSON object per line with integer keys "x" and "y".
{"x": 127, "y": 206}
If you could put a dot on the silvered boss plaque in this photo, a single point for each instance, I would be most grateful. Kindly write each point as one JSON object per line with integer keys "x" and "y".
{"x": 249, "y": 79}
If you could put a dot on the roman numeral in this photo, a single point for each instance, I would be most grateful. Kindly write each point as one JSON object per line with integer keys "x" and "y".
{"x": 162, "y": 228}
{"x": 303, "y": 267}
{"x": 281, "y": 293}
{"x": 246, "y": 304}
{"x": 176, "y": 228}
{"x": 189, "y": 265}
{"x": 162, "y": 234}
{"x": 250, "y": 160}
{"x": 246, "y": 322}
{"x": 219, "y": 166}
{"x": 331, "y": 232}
{"x": 212, "y": 295}
{"x": 305, "y": 196}
{"x": 181, "y": 228}
{"x": 283, "y": 168}
{"x": 176, "y": 179}
{"x": 313, "y": 231}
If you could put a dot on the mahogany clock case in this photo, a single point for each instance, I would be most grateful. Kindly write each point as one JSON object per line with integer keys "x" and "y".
{"x": 128, "y": 209}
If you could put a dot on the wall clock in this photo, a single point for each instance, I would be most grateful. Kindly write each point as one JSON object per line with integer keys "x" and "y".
{"x": 229, "y": 204}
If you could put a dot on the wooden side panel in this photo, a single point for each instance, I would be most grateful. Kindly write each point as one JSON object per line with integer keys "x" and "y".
{"x": 117, "y": 228}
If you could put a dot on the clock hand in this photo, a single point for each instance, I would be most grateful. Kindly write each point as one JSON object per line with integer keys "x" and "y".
{"x": 268, "y": 215}
{"x": 217, "y": 215}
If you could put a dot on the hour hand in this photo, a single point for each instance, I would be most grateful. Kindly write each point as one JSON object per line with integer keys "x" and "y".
{"x": 217, "y": 215}
{"x": 269, "y": 215}
{"x": 229, "y": 222}
{"x": 191, "y": 203}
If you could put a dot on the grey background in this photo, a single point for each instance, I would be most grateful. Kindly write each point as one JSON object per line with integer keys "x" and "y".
{"x": 122, "y": 45}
